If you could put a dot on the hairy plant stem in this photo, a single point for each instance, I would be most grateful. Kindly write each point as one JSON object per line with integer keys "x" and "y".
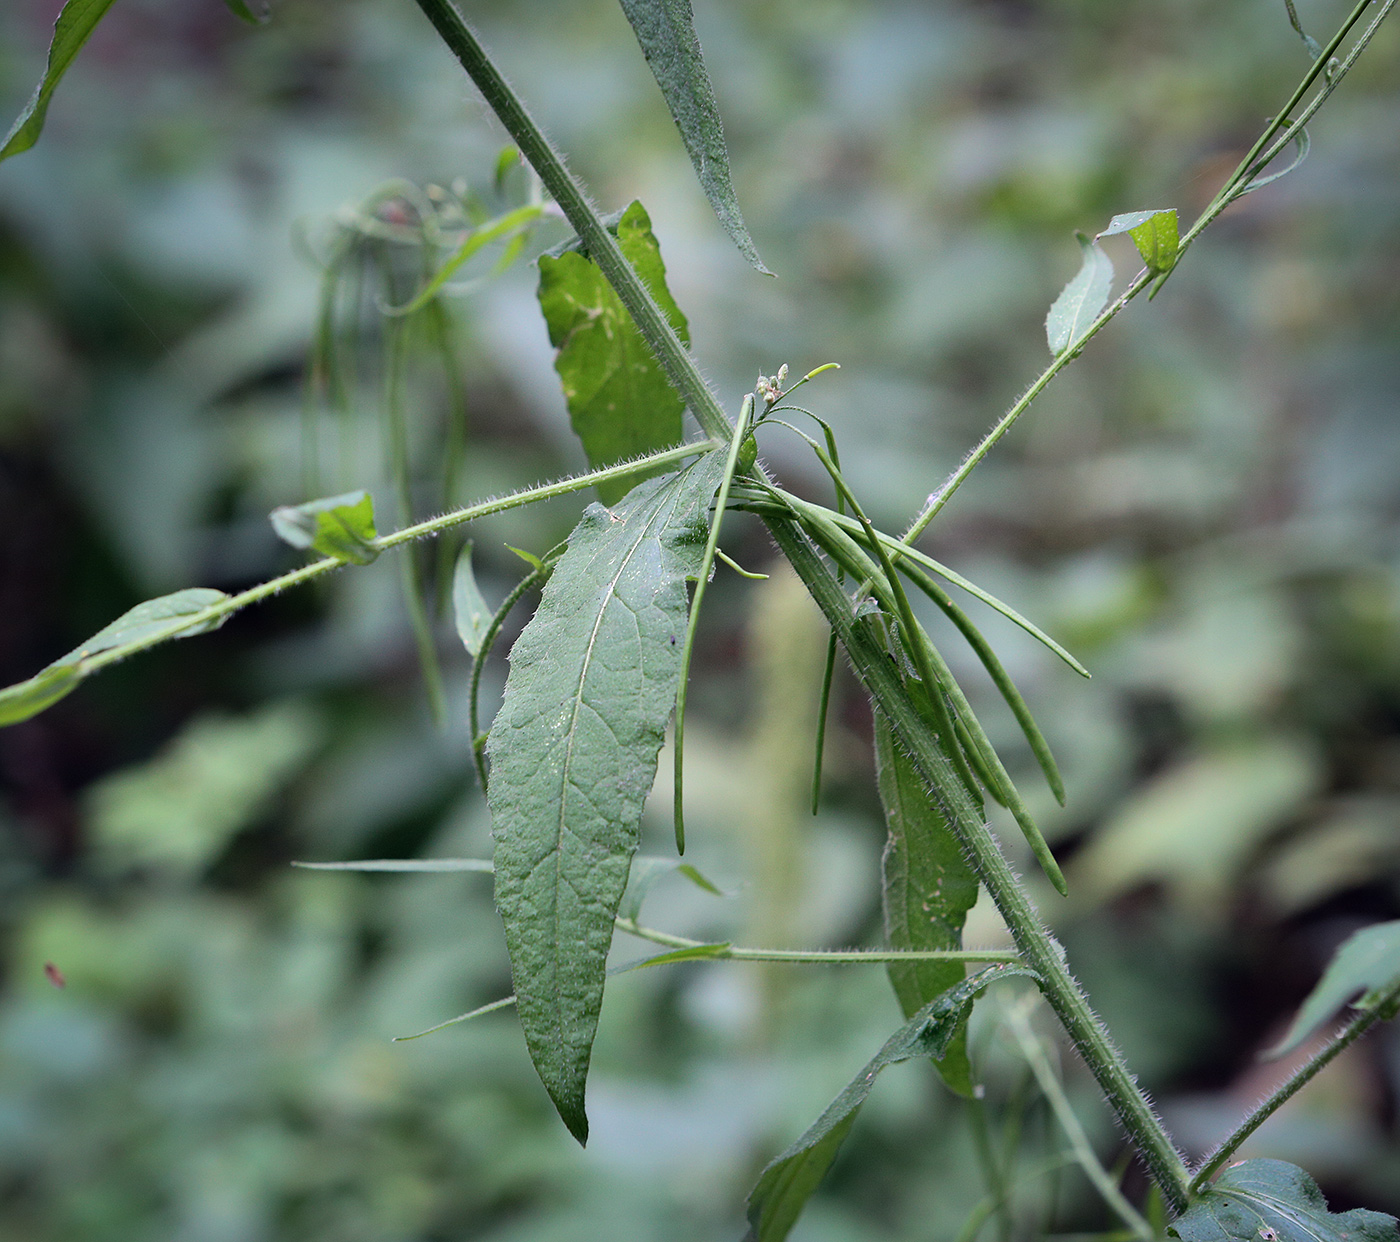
{"x": 1304, "y": 1074}
{"x": 871, "y": 661}
{"x": 1281, "y": 127}
{"x": 602, "y": 247}
{"x": 1040, "y": 950}
{"x": 1034, "y": 1052}
{"x": 815, "y": 957}
{"x": 217, "y": 613}
{"x": 1279, "y": 132}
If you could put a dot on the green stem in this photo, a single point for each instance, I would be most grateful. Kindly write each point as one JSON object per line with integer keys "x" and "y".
{"x": 1227, "y": 194}
{"x": 216, "y": 613}
{"x": 396, "y": 346}
{"x": 817, "y": 957}
{"x": 602, "y": 247}
{"x": 1300, "y": 1078}
{"x": 702, "y": 580}
{"x": 934, "y": 504}
{"x": 1251, "y": 164}
{"x": 993, "y": 1178}
{"x": 1040, "y": 950}
{"x": 1034, "y": 1052}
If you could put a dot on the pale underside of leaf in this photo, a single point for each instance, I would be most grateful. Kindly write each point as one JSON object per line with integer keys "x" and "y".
{"x": 666, "y": 31}
{"x": 1081, "y": 300}
{"x": 1273, "y": 1201}
{"x": 573, "y": 755}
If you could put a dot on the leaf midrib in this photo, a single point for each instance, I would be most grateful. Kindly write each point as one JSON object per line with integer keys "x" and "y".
{"x": 577, "y": 702}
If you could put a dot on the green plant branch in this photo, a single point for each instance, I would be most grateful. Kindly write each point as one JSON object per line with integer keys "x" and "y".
{"x": 1260, "y": 154}
{"x": 602, "y": 247}
{"x": 1304, "y": 1074}
{"x": 216, "y": 613}
{"x": 934, "y": 504}
{"x": 812, "y": 957}
{"x": 1039, "y": 949}
{"x": 1034, "y": 1052}
{"x": 702, "y": 580}
{"x": 872, "y": 663}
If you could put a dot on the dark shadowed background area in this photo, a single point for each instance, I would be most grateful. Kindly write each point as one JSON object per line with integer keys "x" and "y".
{"x": 1205, "y": 509}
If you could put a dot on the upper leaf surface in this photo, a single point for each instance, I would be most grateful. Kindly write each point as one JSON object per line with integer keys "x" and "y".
{"x": 1273, "y": 1201}
{"x": 666, "y": 31}
{"x": 620, "y": 401}
{"x": 1081, "y": 300}
{"x": 1154, "y": 233}
{"x": 928, "y": 890}
{"x": 1368, "y": 961}
{"x": 788, "y": 1182}
{"x": 137, "y": 625}
{"x": 338, "y": 526}
{"x": 75, "y": 23}
{"x": 573, "y": 754}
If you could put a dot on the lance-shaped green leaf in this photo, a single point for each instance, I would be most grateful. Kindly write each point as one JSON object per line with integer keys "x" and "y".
{"x": 469, "y": 608}
{"x": 1154, "y": 233}
{"x": 1273, "y": 1201}
{"x": 573, "y": 754}
{"x": 75, "y": 23}
{"x": 788, "y": 1182}
{"x": 620, "y": 401}
{"x": 1081, "y": 300}
{"x": 928, "y": 890}
{"x": 1368, "y": 962}
{"x": 666, "y": 31}
{"x": 152, "y": 620}
{"x": 339, "y": 526}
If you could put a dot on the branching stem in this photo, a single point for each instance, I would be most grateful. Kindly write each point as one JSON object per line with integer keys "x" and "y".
{"x": 1304, "y": 1074}
{"x": 217, "y": 612}
{"x": 814, "y": 957}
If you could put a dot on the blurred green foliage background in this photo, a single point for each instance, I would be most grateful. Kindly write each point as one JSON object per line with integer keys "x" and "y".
{"x": 1205, "y": 509}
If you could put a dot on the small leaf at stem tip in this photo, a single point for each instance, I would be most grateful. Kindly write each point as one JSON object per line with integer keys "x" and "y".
{"x": 76, "y": 22}
{"x": 529, "y": 558}
{"x": 1273, "y": 1201}
{"x": 338, "y": 526}
{"x": 469, "y": 608}
{"x": 135, "y": 627}
{"x": 1154, "y": 233}
{"x": 788, "y": 1182}
{"x": 666, "y": 31}
{"x": 1081, "y": 300}
{"x": 1368, "y": 962}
